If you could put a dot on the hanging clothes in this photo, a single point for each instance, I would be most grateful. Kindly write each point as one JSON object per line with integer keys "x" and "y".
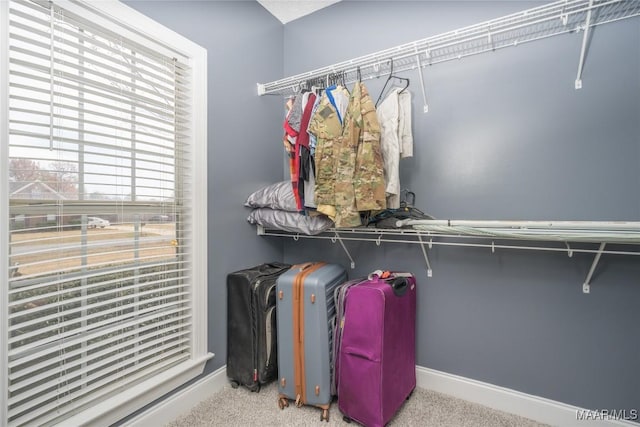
{"x": 291, "y": 127}
{"x": 326, "y": 127}
{"x": 312, "y": 137}
{"x": 339, "y": 98}
{"x": 310, "y": 180}
{"x": 396, "y": 139}
{"x": 292, "y": 123}
{"x": 303, "y": 164}
{"x": 360, "y": 182}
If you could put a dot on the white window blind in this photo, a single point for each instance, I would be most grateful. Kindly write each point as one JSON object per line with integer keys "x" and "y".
{"x": 102, "y": 177}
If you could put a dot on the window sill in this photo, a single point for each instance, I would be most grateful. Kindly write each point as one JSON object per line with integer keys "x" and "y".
{"x": 113, "y": 409}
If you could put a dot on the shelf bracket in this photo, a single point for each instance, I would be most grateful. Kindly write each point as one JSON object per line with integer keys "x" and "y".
{"x": 426, "y": 258}
{"x": 346, "y": 251}
{"x": 586, "y": 286}
{"x": 583, "y": 51}
{"x": 424, "y": 93}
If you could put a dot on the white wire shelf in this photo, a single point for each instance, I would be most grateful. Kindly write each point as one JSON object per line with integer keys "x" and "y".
{"x": 494, "y": 235}
{"x": 560, "y": 17}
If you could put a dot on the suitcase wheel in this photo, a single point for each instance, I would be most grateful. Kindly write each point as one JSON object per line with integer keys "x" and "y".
{"x": 346, "y": 419}
{"x": 235, "y": 384}
{"x": 283, "y": 403}
{"x": 325, "y": 415}
{"x": 254, "y": 388}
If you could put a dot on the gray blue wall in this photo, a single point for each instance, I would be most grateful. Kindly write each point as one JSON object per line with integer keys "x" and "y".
{"x": 508, "y": 137}
{"x": 244, "y": 44}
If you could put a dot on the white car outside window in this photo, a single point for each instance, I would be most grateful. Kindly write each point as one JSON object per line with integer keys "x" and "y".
{"x": 94, "y": 222}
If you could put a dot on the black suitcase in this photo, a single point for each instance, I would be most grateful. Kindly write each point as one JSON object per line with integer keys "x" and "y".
{"x": 251, "y": 325}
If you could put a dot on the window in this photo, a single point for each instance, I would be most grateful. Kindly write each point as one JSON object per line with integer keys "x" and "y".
{"x": 104, "y": 242}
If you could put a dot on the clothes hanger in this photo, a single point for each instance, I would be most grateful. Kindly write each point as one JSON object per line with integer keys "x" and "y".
{"x": 406, "y": 85}
{"x": 406, "y": 80}
{"x": 391, "y": 75}
{"x": 344, "y": 85}
{"x": 387, "y": 81}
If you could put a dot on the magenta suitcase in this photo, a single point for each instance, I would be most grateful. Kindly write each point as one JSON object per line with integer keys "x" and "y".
{"x": 377, "y": 355}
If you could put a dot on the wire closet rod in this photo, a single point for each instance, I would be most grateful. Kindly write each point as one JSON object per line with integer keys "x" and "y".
{"x": 626, "y": 232}
{"x": 493, "y": 246}
{"x": 560, "y": 17}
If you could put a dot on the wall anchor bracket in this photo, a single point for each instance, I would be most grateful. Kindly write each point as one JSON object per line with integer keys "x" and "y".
{"x": 424, "y": 93}
{"x": 346, "y": 251}
{"x": 583, "y": 51}
{"x": 426, "y": 258}
{"x": 586, "y": 286}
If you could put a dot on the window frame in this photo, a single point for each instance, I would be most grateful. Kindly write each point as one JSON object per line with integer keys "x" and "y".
{"x": 138, "y": 27}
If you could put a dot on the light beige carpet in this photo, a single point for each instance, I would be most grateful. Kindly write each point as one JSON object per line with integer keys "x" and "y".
{"x": 240, "y": 407}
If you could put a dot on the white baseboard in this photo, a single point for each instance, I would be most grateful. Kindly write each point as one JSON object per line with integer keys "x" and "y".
{"x": 503, "y": 399}
{"x": 182, "y": 401}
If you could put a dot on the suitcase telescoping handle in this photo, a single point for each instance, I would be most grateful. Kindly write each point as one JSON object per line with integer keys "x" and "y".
{"x": 400, "y": 286}
{"x": 397, "y": 281}
{"x": 302, "y": 267}
{"x": 272, "y": 265}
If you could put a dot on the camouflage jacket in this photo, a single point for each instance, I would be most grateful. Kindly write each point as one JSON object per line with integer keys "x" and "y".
{"x": 360, "y": 184}
{"x": 325, "y": 126}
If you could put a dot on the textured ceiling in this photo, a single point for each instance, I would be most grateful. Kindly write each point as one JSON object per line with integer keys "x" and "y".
{"x": 288, "y": 10}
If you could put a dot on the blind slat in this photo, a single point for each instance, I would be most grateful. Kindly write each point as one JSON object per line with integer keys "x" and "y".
{"x": 51, "y": 354}
{"x": 30, "y": 305}
{"x": 93, "y": 359}
{"x": 115, "y": 128}
{"x": 89, "y": 355}
{"x": 35, "y": 396}
{"x": 131, "y": 268}
{"x": 109, "y": 117}
{"x": 102, "y": 254}
{"x": 155, "y": 364}
{"x": 178, "y": 299}
{"x": 88, "y": 307}
{"x": 104, "y": 388}
{"x": 91, "y": 144}
{"x": 82, "y": 42}
{"x": 124, "y": 73}
{"x": 97, "y": 329}
{"x": 86, "y": 85}
{"x": 159, "y": 116}
{"x": 83, "y": 25}
{"x": 93, "y": 133}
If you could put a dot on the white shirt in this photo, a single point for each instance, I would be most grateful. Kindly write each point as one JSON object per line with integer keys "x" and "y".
{"x": 396, "y": 140}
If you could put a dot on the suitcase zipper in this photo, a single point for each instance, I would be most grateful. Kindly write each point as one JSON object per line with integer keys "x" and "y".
{"x": 256, "y": 336}
{"x": 268, "y": 293}
{"x": 268, "y": 333}
{"x": 268, "y": 325}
